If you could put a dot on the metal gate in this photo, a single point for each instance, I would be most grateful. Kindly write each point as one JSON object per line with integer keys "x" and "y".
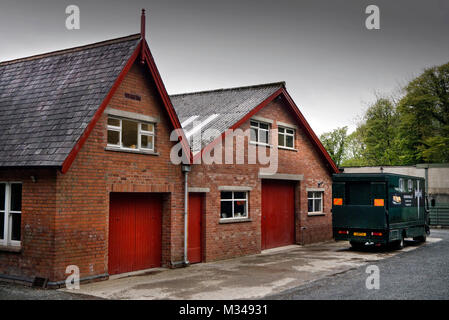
{"x": 439, "y": 216}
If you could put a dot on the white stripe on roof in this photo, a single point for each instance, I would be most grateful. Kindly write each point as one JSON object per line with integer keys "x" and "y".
{"x": 199, "y": 126}
{"x": 188, "y": 121}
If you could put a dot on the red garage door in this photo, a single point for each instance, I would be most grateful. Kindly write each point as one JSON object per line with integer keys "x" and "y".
{"x": 278, "y": 214}
{"x": 135, "y": 232}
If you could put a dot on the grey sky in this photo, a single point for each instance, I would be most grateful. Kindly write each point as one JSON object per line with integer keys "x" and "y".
{"x": 332, "y": 64}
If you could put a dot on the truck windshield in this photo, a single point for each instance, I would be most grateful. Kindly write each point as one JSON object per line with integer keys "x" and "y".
{"x": 358, "y": 193}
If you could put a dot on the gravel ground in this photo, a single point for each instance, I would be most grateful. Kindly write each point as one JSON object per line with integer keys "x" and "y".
{"x": 419, "y": 274}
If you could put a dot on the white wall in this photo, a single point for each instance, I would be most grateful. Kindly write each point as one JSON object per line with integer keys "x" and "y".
{"x": 438, "y": 176}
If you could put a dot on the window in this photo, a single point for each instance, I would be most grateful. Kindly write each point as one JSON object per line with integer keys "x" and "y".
{"x": 410, "y": 185}
{"x": 259, "y": 132}
{"x": 286, "y": 138}
{"x": 128, "y": 134}
{"x": 315, "y": 201}
{"x": 234, "y": 205}
{"x": 10, "y": 213}
{"x": 401, "y": 185}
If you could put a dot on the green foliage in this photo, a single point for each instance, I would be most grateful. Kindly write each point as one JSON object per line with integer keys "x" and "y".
{"x": 355, "y": 148}
{"x": 424, "y": 117}
{"x": 414, "y": 130}
{"x": 334, "y": 142}
{"x": 381, "y": 123}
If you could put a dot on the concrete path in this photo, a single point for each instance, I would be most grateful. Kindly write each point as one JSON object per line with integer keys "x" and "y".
{"x": 250, "y": 277}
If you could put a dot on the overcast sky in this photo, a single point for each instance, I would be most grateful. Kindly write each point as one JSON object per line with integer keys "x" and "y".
{"x": 332, "y": 64}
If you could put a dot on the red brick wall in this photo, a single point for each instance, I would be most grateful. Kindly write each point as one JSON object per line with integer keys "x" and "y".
{"x": 83, "y": 192}
{"x": 221, "y": 241}
{"x": 65, "y": 216}
{"x": 37, "y": 227}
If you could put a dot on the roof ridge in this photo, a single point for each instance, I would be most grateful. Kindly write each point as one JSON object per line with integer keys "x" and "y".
{"x": 73, "y": 49}
{"x": 232, "y": 88}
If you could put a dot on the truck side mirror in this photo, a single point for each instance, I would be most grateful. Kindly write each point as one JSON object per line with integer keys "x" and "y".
{"x": 432, "y": 202}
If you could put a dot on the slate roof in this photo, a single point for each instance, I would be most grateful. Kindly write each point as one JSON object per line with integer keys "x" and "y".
{"x": 219, "y": 109}
{"x": 47, "y": 101}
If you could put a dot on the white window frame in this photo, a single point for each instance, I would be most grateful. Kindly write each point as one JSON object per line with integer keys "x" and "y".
{"x": 258, "y": 129}
{"x": 410, "y": 185}
{"x": 285, "y": 134}
{"x": 313, "y": 198}
{"x": 401, "y": 185}
{"x": 7, "y": 241}
{"x": 232, "y": 200}
{"x": 140, "y": 133}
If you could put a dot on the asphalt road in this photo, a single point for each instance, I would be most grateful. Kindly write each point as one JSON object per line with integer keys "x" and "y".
{"x": 419, "y": 274}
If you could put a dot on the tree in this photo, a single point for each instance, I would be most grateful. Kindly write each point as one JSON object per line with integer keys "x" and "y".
{"x": 334, "y": 142}
{"x": 380, "y": 136}
{"x": 424, "y": 117}
{"x": 355, "y": 148}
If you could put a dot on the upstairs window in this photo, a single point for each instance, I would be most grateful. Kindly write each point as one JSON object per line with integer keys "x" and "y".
{"x": 10, "y": 213}
{"x": 286, "y": 138}
{"x": 259, "y": 132}
{"x": 131, "y": 135}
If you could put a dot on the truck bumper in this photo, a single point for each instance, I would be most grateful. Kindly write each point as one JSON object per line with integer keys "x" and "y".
{"x": 361, "y": 236}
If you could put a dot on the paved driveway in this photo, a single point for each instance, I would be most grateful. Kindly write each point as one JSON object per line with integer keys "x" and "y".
{"x": 250, "y": 277}
{"x": 421, "y": 274}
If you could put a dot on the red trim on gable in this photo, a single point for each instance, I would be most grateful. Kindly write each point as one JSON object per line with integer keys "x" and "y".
{"x": 237, "y": 124}
{"x": 305, "y": 125}
{"x": 161, "y": 89}
{"x": 310, "y": 132}
{"x": 166, "y": 100}
{"x": 72, "y": 155}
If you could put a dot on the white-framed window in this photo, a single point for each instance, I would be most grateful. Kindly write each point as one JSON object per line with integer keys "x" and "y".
{"x": 401, "y": 185}
{"x": 10, "y": 213}
{"x": 130, "y": 135}
{"x": 410, "y": 185}
{"x": 315, "y": 201}
{"x": 234, "y": 205}
{"x": 286, "y": 137}
{"x": 260, "y": 132}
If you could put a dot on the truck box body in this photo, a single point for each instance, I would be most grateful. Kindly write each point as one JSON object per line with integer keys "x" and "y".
{"x": 378, "y": 208}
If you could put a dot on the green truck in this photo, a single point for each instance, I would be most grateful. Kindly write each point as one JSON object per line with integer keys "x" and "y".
{"x": 379, "y": 209}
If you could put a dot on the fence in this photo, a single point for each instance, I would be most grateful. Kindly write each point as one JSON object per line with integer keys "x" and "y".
{"x": 439, "y": 215}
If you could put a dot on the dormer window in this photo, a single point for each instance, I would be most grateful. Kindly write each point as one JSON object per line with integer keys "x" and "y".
{"x": 130, "y": 135}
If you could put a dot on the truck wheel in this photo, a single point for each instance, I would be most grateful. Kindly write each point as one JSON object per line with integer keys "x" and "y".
{"x": 399, "y": 244}
{"x": 422, "y": 238}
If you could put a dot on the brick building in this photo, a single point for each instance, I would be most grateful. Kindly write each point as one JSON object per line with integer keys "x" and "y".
{"x": 86, "y": 176}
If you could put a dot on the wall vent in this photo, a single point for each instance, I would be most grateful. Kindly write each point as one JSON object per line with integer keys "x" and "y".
{"x": 132, "y": 96}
